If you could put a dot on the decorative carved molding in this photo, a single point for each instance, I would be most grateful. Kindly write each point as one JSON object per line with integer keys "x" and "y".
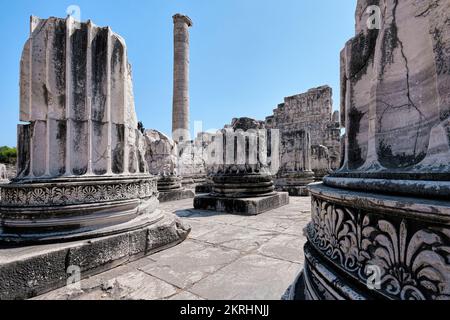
{"x": 414, "y": 259}
{"x": 72, "y": 194}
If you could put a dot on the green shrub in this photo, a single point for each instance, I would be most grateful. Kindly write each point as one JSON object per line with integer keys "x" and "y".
{"x": 8, "y": 155}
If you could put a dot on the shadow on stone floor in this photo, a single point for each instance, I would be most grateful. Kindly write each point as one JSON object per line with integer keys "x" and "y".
{"x": 194, "y": 213}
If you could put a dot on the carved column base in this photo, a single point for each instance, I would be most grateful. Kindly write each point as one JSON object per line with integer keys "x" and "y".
{"x": 169, "y": 183}
{"x": 190, "y": 182}
{"x": 170, "y": 189}
{"x": 52, "y": 264}
{"x": 67, "y": 209}
{"x": 175, "y": 195}
{"x": 242, "y": 185}
{"x": 244, "y": 206}
{"x": 294, "y": 183}
{"x": 372, "y": 246}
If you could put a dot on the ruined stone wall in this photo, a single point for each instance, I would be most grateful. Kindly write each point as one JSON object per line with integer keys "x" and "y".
{"x": 312, "y": 112}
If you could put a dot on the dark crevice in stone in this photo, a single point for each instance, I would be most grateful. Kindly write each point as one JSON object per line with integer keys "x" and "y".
{"x": 355, "y": 152}
{"x": 403, "y": 160}
{"x": 362, "y": 53}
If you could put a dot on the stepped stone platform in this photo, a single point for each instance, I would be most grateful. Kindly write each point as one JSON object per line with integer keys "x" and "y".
{"x": 245, "y": 206}
{"x": 32, "y": 270}
{"x": 174, "y": 195}
{"x": 225, "y": 256}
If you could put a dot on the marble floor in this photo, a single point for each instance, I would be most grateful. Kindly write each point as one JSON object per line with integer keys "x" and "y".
{"x": 226, "y": 257}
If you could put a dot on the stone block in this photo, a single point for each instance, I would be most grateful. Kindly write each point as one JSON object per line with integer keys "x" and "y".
{"x": 244, "y": 206}
{"x": 174, "y": 195}
{"x": 26, "y": 272}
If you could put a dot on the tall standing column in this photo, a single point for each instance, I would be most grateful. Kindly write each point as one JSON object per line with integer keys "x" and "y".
{"x": 180, "y": 114}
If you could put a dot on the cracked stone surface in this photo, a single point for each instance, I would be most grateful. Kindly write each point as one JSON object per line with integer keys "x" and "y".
{"x": 311, "y": 112}
{"x": 395, "y": 83}
{"x": 225, "y": 257}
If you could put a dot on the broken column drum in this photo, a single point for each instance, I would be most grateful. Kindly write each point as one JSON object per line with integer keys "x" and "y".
{"x": 242, "y": 179}
{"x": 81, "y": 167}
{"x": 295, "y": 172}
{"x": 3, "y": 174}
{"x": 386, "y": 213}
{"x": 161, "y": 156}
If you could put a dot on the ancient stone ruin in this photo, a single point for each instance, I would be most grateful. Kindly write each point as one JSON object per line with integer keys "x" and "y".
{"x": 192, "y": 162}
{"x": 385, "y": 212}
{"x": 242, "y": 178}
{"x": 82, "y": 172}
{"x": 3, "y": 173}
{"x": 310, "y": 112}
{"x": 295, "y": 163}
{"x": 162, "y": 159}
{"x": 180, "y": 113}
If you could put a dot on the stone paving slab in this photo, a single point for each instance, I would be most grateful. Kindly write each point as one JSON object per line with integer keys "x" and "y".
{"x": 226, "y": 257}
{"x": 284, "y": 247}
{"x": 189, "y": 263}
{"x": 252, "y": 277}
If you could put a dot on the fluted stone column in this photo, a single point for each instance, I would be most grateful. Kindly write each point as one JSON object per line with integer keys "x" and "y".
{"x": 180, "y": 115}
{"x": 380, "y": 224}
{"x": 81, "y": 167}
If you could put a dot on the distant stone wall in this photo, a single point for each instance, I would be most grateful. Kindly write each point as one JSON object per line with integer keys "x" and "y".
{"x": 312, "y": 112}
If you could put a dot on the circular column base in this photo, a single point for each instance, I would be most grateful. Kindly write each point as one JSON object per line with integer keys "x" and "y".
{"x": 66, "y": 209}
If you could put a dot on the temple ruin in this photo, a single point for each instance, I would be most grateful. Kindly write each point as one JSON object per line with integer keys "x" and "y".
{"x": 287, "y": 202}
{"x": 311, "y": 112}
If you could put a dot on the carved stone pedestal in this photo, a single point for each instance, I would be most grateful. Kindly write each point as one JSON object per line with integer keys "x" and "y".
{"x": 170, "y": 189}
{"x": 244, "y": 206}
{"x": 206, "y": 187}
{"x": 64, "y": 209}
{"x": 356, "y": 238}
{"x": 26, "y": 272}
{"x": 246, "y": 194}
{"x": 191, "y": 182}
{"x": 295, "y": 183}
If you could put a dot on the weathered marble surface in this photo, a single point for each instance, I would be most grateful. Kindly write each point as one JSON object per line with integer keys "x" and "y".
{"x": 382, "y": 220}
{"x": 162, "y": 159}
{"x": 395, "y": 91}
{"x": 29, "y": 271}
{"x": 161, "y": 154}
{"x": 77, "y": 95}
{"x": 311, "y": 112}
{"x": 81, "y": 166}
{"x": 180, "y": 113}
{"x": 295, "y": 172}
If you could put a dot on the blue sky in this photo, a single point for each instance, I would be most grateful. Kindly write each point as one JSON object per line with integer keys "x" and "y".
{"x": 246, "y": 55}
